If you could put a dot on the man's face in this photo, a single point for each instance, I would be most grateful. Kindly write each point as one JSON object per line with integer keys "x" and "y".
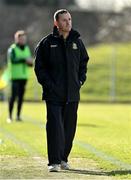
{"x": 21, "y": 40}
{"x": 64, "y": 22}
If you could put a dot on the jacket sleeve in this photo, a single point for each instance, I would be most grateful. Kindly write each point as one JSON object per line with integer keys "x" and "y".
{"x": 42, "y": 52}
{"x": 83, "y": 63}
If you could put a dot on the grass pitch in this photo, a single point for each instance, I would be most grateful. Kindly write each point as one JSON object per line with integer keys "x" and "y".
{"x": 101, "y": 147}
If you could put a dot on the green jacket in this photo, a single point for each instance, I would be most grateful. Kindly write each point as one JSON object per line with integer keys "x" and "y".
{"x": 18, "y": 69}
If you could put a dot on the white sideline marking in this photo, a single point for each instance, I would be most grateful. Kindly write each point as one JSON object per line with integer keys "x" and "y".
{"x": 103, "y": 156}
{"x": 86, "y": 146}
{"x": 17, "y": 141}
{"x": 93, "y": 150}
{"x": 35, "y": 155}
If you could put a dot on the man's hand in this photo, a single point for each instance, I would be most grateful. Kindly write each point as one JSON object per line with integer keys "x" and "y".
{"x": 81, "y": 83}
{"x": 29, "y": 61}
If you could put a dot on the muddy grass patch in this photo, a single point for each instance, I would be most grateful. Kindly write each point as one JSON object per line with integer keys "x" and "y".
{"x": 36, "y": 168}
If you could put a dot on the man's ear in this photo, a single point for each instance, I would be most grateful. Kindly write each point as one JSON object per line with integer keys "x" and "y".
{"x": 55, "y": 23}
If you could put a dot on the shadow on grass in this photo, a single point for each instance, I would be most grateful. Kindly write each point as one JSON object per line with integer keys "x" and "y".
{"x": 88, "y": 125}
{"x": 100, "y": 173}
{"x": 119, "y": 172}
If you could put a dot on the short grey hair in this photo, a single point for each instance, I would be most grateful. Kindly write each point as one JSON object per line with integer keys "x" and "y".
{"x": 58, "y": 12}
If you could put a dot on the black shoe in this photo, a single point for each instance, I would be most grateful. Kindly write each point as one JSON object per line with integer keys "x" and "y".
{"x": 18, "y": 119}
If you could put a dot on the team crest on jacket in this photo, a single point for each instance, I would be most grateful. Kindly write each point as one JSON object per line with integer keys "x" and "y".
{"x": 53, "y": 45}
{"x": 74, "y": 46}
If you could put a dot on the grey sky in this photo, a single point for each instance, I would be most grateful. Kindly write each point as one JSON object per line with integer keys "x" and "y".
{"x": 116, "y": 5}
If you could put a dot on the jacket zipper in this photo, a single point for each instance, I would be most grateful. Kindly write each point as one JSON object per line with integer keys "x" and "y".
{"x": 65, "y": 46}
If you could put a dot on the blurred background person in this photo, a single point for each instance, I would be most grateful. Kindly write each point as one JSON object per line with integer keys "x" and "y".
{"x": 19, "y": 61}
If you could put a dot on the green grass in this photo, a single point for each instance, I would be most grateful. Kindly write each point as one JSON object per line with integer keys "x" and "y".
{"x": 100, "y": 73}
{"x": 102, "y": 129}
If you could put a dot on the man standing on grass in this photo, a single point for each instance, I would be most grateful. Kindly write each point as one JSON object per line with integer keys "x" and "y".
{"x": 60, "y": 67}
{"x": 19, "y": 60}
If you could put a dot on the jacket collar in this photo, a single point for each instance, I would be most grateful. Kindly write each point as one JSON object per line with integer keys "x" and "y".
{"x": 72, "y": 35}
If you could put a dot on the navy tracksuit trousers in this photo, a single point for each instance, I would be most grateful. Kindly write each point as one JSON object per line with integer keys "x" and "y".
{"x": 17, "y": 91}
{"x": 61, "y": 127}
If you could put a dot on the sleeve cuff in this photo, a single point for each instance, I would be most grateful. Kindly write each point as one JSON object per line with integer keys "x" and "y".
{"x": 81, "y": 83}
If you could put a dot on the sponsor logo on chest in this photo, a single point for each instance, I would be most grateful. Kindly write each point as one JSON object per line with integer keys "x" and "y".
{"x": 53, "y": 45}
{"x": 74, "y": 46}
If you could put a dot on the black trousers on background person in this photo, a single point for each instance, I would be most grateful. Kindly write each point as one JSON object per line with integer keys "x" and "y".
{"x": 60, "y": 127}
{"x": 17, "y": 91}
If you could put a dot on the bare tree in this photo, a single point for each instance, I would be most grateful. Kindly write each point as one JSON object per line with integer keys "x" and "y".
{"x": 103, "y": 5}
{"x": 64, "y": 3}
